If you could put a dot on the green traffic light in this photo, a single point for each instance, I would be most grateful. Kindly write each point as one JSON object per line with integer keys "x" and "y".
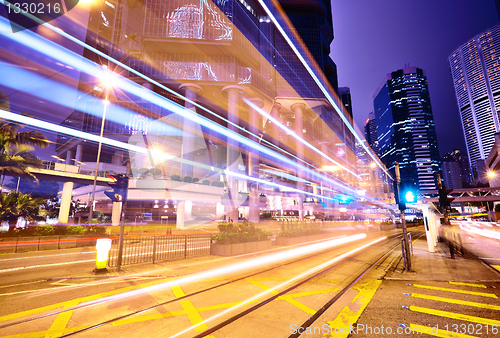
{"x": 410, "y": 197}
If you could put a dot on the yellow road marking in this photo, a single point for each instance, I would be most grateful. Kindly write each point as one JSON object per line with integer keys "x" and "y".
{"x": 350, "y": 314}
{"x": 290, "y": 298}
{"x": 80, "y": 300}
{"x": 456, "y": 301}
{"x": 178, "y": 291}
{"x": 437, "y": 332}
{"x": 454, "y": 315}
{"x": 470, "y": 284}
{"x": 193, "y": 315}
{"x": 39, "y": 334}
{"x": 59, "y": 324}
{"x": 475, "y": 293}
{"x": 496, "y": 267}
{"x": 174, "y": 313}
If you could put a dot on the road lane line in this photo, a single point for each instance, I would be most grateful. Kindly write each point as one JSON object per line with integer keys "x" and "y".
{"x": 44, "y": 265}
{"x": 453, "y": 315}
{"x": 191, "y": 311}
{"x": 475, "y": 293}
{"x": 437, "y": 332}
{"x": 39, "y": 334}
{"x": 470, "y": 284}
{"x": 59, "y": 324}
{"x": 456, "y": 301}
{"x": 348, "y": 317}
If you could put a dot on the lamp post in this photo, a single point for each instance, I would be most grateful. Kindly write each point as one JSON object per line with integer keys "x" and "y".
{"x": 107, "y": 80}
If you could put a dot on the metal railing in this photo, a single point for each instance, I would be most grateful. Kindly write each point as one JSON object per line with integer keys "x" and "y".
{"x": 159, "y": 248}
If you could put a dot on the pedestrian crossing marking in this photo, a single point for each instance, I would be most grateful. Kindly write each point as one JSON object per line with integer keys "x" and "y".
{"x": 475, "y": 293}
{"x": 470, "y": 284}
{"x": 453, "y": 315}
{"x": 456, "y": 301}
{"x": 437, "y": 332}
{"x": 347, "y": 317}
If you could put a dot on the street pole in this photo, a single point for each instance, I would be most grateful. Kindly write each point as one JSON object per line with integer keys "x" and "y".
{"x": 91, "y": 204}
{"x": 406, "y": 251}
{"x": 445, "y": 209}
{"x": 120, "y": 239}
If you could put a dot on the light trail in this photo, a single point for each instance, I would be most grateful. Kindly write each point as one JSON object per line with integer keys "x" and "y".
{"x": 229, "y": 269}
{"x": 321, "y": 87}
{"x": 91, "y": 70}
{"x": 295, "y": 136}
{"x": 482, "y": 232}
{"x": 296, "y": 278}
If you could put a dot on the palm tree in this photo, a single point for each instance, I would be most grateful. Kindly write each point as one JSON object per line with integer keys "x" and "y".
{"x": 16, "y": 204}
{"x": 15, "y": 146}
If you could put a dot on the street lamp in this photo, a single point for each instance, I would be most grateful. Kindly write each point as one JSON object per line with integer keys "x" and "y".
{"x": 491, "y": 174}
{"x": 107, "y": 80}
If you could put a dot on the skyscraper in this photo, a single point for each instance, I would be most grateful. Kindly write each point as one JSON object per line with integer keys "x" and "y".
{"x": 313, "y": 22}
{"x": 476, "y": 76}
{"x": 405, "y": 127}
{"x": 371, "y": 132}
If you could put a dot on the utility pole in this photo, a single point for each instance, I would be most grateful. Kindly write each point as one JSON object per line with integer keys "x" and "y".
{"x": 120, "y": 239}
{"x": 402, "y": 206}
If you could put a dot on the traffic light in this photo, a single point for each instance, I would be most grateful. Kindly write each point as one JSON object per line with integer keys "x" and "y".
{"x": 407, "y": 193}
{"x": 120, "y": 187}
{"x": 444, "y": 200}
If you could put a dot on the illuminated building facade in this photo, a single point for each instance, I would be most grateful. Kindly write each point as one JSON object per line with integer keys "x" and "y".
{"x": 239, "y": 67}
{"x": 475, "y": 68}
{"x": 405, "y": 127}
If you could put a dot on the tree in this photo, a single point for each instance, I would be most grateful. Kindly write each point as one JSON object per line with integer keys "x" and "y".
{"x": 15, "y": 148}
{"x": 16, "y": 204}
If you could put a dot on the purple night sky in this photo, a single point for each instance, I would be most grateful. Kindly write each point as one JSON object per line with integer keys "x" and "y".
{"x": 373, "y": 38}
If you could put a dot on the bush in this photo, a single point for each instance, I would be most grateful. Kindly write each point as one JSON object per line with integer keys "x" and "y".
{"x": 188, "y": 179}
{"x": 94, "y": 229}
{"x": 205, "y": 182}
{"x": 176, "y": 178}
{"x": 75, "y": 230}
{"x": 215, "y": 183}
{"x": 44, "y": 230}
{"x": 297, "y": 230}
{"x": 196, "y": 180}
{"x": 240, "y": 233}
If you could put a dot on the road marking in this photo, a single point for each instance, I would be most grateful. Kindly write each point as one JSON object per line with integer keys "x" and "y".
{"x": 470, "y": 284}
{"x": 290, "y": 298}
{"x": 44, "y": 265}
{"x": 39, "y": 334}
{"x": 12, "y": 285}
{"x": 191, "y": 311}
{"x": 59, "y": 324}
{"x": 456, "y": 301}
{"x": 497, "y": 267}
{"x": 49, "y": 256}
{"x": 475, "y": 293}
{"x": 175, "y": 313}
{"x": 437, "y": 332}
{"x": 81, "y": 300}
{"x": 454, "y": 315}
{"x": 348, "y": 317}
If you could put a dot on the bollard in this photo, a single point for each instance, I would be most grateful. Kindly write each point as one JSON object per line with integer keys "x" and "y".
{"x": 103, "y": 245}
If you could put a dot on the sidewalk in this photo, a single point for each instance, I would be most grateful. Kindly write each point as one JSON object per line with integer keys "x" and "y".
{"x": 441, "y": 297}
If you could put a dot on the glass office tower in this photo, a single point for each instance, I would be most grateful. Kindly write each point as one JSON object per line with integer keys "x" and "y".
{"x": 475, "y": 68}
{"x": 405, "y": 127}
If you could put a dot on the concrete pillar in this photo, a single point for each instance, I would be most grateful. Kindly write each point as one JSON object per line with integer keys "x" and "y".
{"x": 299, "y": 111}
{"x": 65, "y": 202}
{"x": 116, "y": 213}
{"x": 253, "y": 164}
{"x": 69, "y": 157}
{"x": 191, "y": 92}
{"x": 233, "y": 98}
{"x": 117, "y": 158}
{"x": 428, "y": 220}
{"x": 181, "y": 207}
{"x": 79, "y": 154}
